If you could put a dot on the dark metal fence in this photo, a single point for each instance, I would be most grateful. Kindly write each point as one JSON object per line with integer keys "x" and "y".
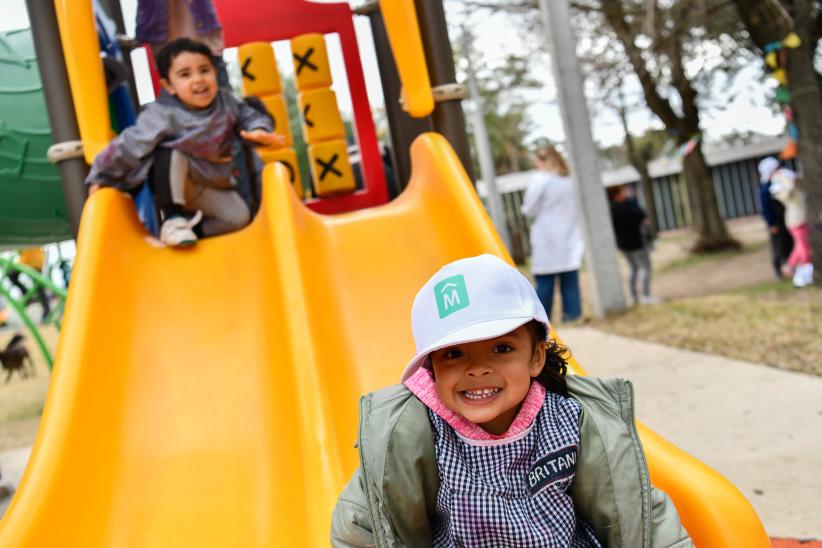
{"x": 737, "y": 192}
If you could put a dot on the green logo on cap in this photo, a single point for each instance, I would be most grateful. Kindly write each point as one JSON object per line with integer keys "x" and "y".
{"x": 451, "y": 295}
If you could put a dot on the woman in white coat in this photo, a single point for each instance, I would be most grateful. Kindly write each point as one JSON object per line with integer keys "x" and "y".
{"x": 556, "y": 237}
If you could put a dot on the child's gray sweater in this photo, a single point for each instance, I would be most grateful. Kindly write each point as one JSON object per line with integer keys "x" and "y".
{"x": 205, "y": 136}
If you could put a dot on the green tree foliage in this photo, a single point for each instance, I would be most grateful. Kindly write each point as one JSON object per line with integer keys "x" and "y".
{"x": 663, "y": 46}
{"x": 506, "y": 109}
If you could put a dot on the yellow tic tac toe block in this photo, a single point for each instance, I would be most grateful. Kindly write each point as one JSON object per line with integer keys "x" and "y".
{"x": 277, "y": 108}
{"x": 259, "y": 69}
{"x": 288, "y": 158}
{"x": 330, "y": 168}
{"x": 310, "y": 58}
{"x": 321, "y": 117}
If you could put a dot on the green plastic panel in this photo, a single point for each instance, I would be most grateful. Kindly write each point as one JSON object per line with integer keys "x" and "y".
{"x": 32, "y": 204}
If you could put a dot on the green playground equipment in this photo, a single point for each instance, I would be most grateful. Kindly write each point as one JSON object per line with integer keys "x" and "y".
{"x": 19, "y": 305}
{"x": 33, "y": 208}
{"x": 32, "y": 205}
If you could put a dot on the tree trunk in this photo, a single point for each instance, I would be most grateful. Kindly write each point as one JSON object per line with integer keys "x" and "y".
{"x": 647, "y": 185}
{"x": 766, "y": 24}
{"x": 639, "y": 159}
{"x": 707, "y": 223}
{"x": 806, "y": 100}
{"x": 705, "y": 218}
{"x": 640, "y": 162}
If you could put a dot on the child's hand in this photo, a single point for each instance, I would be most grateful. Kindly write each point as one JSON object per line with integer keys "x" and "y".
{"x": 263, "y": 138}
{"x": 92, "y": 188}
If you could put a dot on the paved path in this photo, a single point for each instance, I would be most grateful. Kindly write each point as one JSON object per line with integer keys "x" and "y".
{"x": 758, "y": 426}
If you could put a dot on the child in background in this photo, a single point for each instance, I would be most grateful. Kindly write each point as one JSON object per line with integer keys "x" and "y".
{"x": 34, "y": 258}
{"x": 629, "y": 219}
{"x": 184, "y": 139}
{"x": 162, "y": 21}
{"x": 785, "y": 187}
{"x": 773, "y": 212}
{"x": 488, "y": 443}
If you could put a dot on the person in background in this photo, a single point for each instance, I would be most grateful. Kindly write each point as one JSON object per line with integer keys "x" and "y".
{"x": 556, "y": 237}
{"x": 35, "y": 258}
{"x": 162, "y": 21}
{"x": 774, "y": 214}
{"x": 786, "y": 187}
{"x": 629, "y": 219}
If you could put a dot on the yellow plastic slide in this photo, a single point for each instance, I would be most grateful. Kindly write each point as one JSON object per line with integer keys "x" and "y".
{"x": 209, "y": 397}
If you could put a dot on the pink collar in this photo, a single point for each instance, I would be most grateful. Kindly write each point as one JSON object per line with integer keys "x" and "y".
{"x": 422, "y": 385}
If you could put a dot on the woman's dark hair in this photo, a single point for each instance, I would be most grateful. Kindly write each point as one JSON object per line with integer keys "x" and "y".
{"x": 552, "y": 376}
{"x": 174, "y": 48}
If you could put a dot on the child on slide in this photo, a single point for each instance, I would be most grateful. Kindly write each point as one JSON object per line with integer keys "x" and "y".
{"x": 488, "y": 444}
{"x": 183, "y": 141}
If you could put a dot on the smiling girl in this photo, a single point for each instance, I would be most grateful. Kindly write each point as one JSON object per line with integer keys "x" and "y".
{"x": 487, "y": 443}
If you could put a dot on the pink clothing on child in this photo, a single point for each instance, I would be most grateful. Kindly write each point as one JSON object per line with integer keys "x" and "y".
{"x": 422, "y": 385}
{"x": 801, "y": 253}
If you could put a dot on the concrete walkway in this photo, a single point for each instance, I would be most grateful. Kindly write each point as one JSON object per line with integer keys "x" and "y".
{"x": 758, "y": 426}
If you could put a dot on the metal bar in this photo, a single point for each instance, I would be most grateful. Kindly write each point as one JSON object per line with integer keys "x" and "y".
{"x": 20, "y": 308}
{"x": 403, "y": 129}
{"x": 115, "y": 11}
{"x": 483, "y": 144}
{"x": 600, "y": 249}
{"x": 36, "y": 276}
{"x": 59, "y": 102}
{"x": 448, "y": 117}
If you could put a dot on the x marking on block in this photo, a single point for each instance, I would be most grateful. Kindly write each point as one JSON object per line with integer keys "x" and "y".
{"x": 329, "y": 167}
{"x": 304, "y": 62}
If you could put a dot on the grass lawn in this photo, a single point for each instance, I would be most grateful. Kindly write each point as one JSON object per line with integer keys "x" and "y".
{"x": 771, "y": 323}
{"x": 725, "y": 303}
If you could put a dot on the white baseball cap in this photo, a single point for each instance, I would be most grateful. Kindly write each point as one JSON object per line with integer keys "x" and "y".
{"x": 766, "y": 168}
{"x": 470, "y": 300}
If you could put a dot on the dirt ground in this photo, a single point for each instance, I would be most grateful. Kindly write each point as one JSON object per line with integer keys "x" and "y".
{"x": 677, "y": 275}
{"x": 21, "y": 400}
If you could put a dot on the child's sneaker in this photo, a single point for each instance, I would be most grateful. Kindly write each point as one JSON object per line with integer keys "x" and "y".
{"x": 804, "y": 275}
{"x": 177, "y": 231}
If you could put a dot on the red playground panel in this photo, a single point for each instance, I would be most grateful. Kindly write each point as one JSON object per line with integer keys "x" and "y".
{"x": 275, "y": 20}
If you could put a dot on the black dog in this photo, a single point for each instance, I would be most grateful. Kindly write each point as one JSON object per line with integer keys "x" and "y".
{"x": 16, "y": 357}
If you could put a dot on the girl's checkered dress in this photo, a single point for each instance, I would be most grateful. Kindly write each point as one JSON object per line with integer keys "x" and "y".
{"x": 511, "y": 492}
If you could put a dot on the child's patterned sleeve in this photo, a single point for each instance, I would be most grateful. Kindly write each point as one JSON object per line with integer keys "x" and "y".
{"x": 118, "y": 164}
{"x": 251, "y": 118}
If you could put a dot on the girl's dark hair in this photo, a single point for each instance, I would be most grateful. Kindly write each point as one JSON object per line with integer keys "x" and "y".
{"x": 552, "y": 376}
{"x": 174, "y": 48}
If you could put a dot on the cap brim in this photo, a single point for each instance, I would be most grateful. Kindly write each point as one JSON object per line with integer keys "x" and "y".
{"x": 470, "y": 333}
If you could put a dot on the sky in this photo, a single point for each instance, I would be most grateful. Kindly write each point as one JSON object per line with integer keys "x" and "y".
{"x": 495, "y": 37}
